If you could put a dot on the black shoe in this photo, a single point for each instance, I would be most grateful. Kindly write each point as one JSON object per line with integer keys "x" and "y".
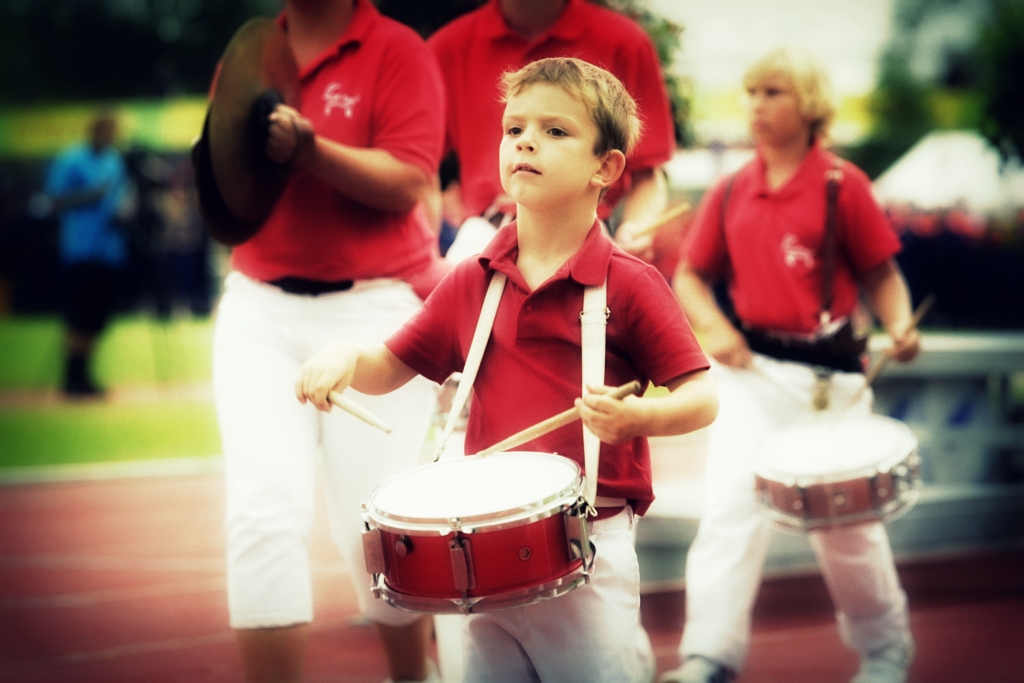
{"x": 77, "y": 383}
{"x": 84, "y": 389}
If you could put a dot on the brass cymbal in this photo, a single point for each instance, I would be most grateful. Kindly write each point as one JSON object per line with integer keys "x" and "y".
{"x": 256, "y": 71}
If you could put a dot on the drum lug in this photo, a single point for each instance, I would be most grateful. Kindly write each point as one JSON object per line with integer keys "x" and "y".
{"x": 373, "y": 551}
{"x": 884, "y": 489}
{"x": 580, "y": 547}
{"x": 802, "y": 505}
{"x": 377, "y": 587}
{"x": 462, "y": 564}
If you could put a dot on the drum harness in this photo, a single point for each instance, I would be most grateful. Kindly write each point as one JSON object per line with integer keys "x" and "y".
{"x": 593, "y": 323}
{"x": 833, "y": 346}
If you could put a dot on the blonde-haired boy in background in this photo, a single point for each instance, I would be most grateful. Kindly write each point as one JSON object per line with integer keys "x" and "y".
{"x": 763, "y": 230}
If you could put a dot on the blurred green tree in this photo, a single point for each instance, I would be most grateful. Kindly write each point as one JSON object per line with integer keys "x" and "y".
{"x": 1000, "y": 64}
{"x": 950, "y": 63}
{"x": 899, "y": 112}
{"x": 97, "y": 49}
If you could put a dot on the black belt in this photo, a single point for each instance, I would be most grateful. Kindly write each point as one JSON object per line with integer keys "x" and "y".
{"x": 834, "y": 353}
{"x": 300, "y": 285}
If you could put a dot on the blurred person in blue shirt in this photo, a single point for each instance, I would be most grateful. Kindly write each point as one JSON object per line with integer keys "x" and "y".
{"x": 87, "y": 185}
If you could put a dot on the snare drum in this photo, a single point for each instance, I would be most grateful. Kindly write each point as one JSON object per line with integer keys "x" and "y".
{"x": 834, "y": 472}
{"x": 475, "y": 534}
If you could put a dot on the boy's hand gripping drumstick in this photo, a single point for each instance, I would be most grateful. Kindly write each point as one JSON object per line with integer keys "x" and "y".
{"x": 552, "y": 423}
{"x": 354, "y": 408}
{"x": 876, "y": 370}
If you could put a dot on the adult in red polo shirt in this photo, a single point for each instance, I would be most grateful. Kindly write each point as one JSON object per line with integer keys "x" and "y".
{"x": 789, "y": 357}
{"x": 475, "y": 50}
{"x": 347, "y": 254}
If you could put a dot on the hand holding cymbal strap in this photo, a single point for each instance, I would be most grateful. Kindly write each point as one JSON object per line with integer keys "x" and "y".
{"x": 291, "y": 138}
{"x": 238, "y": 185}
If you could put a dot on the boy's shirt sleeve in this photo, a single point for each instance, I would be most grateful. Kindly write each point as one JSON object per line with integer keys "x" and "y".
{"x": 429, "y": 342}
{"x": 864, "y": 230}
{"x": 410, "y": 106}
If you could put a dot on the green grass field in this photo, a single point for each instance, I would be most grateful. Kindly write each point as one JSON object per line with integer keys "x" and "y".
{"x": 135, "y": 353}
{"x": 106, "y": 432}
{"x": 146, "y": 362}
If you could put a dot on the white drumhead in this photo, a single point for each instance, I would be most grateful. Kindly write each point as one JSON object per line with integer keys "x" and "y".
{"x": 475, "y": 486}
{"x": 827, "y": 445}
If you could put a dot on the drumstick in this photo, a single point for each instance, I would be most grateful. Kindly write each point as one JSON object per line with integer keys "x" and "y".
{"x": 876, "y": 370}
{"x": 354, "y": 408}
{"x": 552, "y": 423}
{"x": 666, "y": 216}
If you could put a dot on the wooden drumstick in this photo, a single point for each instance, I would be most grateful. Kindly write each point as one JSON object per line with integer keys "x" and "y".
{"x": 876, "y": 370}
{"x": 354, "y": 408}
{"x": 552, "y": 423}
{"x": 666, "y": 216}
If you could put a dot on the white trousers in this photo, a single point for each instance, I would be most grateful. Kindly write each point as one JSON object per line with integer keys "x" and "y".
{"x": 271, "y": 442}
{"x": 590, "y": 635}
{"x": 723, "y": 566}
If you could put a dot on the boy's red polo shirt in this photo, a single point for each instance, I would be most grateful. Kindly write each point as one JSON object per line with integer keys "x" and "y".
{"x": 532, "y": 370}
{"x": 477, "y": 48}
{"x": 772, "y": 245}
{"x": 377, "y": 87}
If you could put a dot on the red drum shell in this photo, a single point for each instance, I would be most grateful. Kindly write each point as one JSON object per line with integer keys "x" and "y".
{"x": 505, "y": 560}
{"x": 836, "y": 472}
{"x": 437, "y": 542}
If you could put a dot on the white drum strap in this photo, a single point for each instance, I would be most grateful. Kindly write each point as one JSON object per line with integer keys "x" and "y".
{"x": 593, "y": 324}
{"x": 475, "y": 355}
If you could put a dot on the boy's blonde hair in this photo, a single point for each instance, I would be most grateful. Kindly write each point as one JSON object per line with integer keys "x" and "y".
{"x": 610, "y": 106}
{"x": 810, "y": 81}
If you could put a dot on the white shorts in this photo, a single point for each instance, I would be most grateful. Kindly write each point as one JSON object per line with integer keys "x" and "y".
{"x": 589, "y": 635}
{"x": 272, "y": 442}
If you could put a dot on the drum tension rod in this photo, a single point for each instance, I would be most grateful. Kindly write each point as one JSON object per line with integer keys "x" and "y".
{"x": 462, "y": 565}
{"x": 804, "y": 507}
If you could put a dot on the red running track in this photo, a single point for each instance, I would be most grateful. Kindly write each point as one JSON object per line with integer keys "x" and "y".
{"x": 122, "y": 580}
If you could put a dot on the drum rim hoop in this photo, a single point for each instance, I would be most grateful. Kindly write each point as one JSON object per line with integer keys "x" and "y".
{"x": 908, "y": 449}
{"x": 886, "y": 466}
{"x": 892, "y": 510}
{"x": 492, "y": 521}
{"x": 520, "y": 597}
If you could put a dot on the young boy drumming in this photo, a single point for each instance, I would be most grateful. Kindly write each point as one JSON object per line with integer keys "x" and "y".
{"x": 567, "y": 127}
{"x": 766, "y": 232}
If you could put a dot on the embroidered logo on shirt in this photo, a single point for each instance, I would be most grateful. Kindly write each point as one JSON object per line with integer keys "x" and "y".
{"x": 795, "y": 253}
{"x": 335, "y": 99}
